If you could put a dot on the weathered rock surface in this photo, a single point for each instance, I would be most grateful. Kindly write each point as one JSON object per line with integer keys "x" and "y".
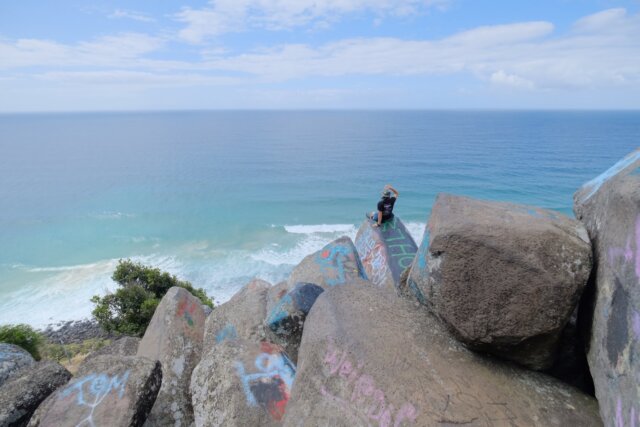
{"x": 242, "y": 383}
{"x": 124, "y": 346}
{"x": 609, "y": 206}
{"x": 21, "y": 395}
{"x": 240, "y": 317}
{"x": 174, "y": 337}
{"x": 385, "y": 251}
{"x": 275, "y": 294}
{"x": 12, "y": 358}
{"x": 505, "y": 278}
{"x": 286, "y": 319}
{"x": 335, "y": 264}
{"x": 368, "y": 360}
{"x": 106, "y": 391}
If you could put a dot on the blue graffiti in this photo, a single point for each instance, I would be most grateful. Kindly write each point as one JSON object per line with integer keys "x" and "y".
{"x": 227, "y": 333}
{"x": 280, "y": 312}
{"x": 594, "y": 185}
{"x": 269, "y": 366}
{"x": 333, "y": 260}
{"x": 99, "y": 385}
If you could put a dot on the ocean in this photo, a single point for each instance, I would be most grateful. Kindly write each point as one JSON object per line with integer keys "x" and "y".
{"x": 218, "y": 198}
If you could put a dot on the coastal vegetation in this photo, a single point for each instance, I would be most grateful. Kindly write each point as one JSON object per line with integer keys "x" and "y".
{"x": 130, "y": 308}
{"x": 23, "y": 336}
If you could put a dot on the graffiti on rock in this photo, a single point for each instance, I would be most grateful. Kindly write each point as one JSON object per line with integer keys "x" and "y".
{"x": 374, "y": 257}
{"x": 400, "y": 246}
{"x": 367, "y": 401}
{"x": 270, "y": 385}
{"x": 92, "y": 389}
{"x": 227, "y": 333}
{"x": 187, "y": 310}
{"x": 621, "y": 419}
{"x": 627, "y": 253}
{"x": 335, "y": 263}
{"x": 635, "y": 324}
{"x": 594, "y": 185}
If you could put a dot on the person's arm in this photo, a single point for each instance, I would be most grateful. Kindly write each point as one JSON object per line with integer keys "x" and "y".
{"x": 393, "y": 189}
{"x": 379, "y": 219}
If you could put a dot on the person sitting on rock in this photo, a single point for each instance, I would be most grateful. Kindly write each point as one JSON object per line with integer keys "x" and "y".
{"x": 385, "y": 206}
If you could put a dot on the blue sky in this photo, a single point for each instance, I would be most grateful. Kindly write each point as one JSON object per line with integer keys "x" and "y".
{"x": 72, "y": 55}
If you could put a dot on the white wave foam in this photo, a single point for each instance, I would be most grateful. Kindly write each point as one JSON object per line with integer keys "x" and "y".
{"x": 320, "y": 228}
{"x": 416, "y": 229}
{"x": 112, "y": 215}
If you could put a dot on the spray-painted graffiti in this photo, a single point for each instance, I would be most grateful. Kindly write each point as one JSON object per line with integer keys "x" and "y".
{"x": 621, "y": 418}
{"x": 270, "y": 385}
{"x": 227, "y": 333}
{"x": 635, "y": 324}
{"x": 374, "y": 257}
{"x": 594, "y": 185}
{"x": 627, "y": 252}
{"x": 187, "y": 310}
{"x": 400, "y": 246}
{"x": 366, "y": 401}
{"x": 92, "y": 389}
{"x": 335, "y": 263}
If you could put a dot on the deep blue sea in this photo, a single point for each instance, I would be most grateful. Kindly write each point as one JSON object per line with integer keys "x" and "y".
{"x": 220, "y": 197}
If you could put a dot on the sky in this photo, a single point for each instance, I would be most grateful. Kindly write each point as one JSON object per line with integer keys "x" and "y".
{"x": 72, "y": 55}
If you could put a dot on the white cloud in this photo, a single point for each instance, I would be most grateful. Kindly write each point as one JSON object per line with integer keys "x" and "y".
{"x": 601, "y": 51}
{"x": 222, "y": 16}
{"x": 108, "y": 51}
{"x": 502, "y": 78}
{"x": 130, "y": 14}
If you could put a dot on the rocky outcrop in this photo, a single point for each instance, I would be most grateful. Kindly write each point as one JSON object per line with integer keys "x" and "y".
{"x": 286, "y": 319}
{"x": 124, "y": 346}
{"x": 369, "y": 360}
{"x": 174, "y": 337}
{"x": 505, "y": 278}
{"x": 275, "y": 294}
{"x": 336, "y": 264}
{"x": 240, "y": 317}
{"x": 106, "y": 391}
{"x": 385, "y": 251}
{"x": 609, "y": 206}
{"x": 242, "y": 383}
{"x": 21, "y": 395}
{"x": 12, "y": 358}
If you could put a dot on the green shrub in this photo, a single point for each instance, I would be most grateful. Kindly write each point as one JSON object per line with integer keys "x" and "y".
{"x": 23, "y": 336}
{"x": 130, "y": 308}
{"x": 60, "y": 352}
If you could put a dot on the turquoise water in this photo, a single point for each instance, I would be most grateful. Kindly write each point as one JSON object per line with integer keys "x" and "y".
{"x": 220, "y": 197}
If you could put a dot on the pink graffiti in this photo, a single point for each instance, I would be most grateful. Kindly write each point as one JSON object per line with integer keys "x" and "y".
{"x": 620, "y": 419}
{"x": 627, "y": 253}
{"x": 636, "y": 324}
{"x": 367, "y": 401}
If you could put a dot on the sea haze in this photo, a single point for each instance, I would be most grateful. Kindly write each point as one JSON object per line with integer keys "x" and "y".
{"x": 220, "y": 197}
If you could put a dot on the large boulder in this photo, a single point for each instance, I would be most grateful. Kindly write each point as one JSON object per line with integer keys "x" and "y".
{"x": 21, "y": 395}
{"x": 275, "y": 294}
{"x": 242, "y": 383}
{"x": 505, "y": 278}
{"x": 335, "y": 264}
{"x": 107, "y": 391}
{"x": 124, "y": 346}
{"x": 385, "y": 251}
{"x": 609, "y": 206}
{"x": 368, "y": 360}
{"x": 174, "y": 337}
{"x": 12, "y": 359}
{"x": 286, "y": 319}
{"x": 240, "y": 317}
